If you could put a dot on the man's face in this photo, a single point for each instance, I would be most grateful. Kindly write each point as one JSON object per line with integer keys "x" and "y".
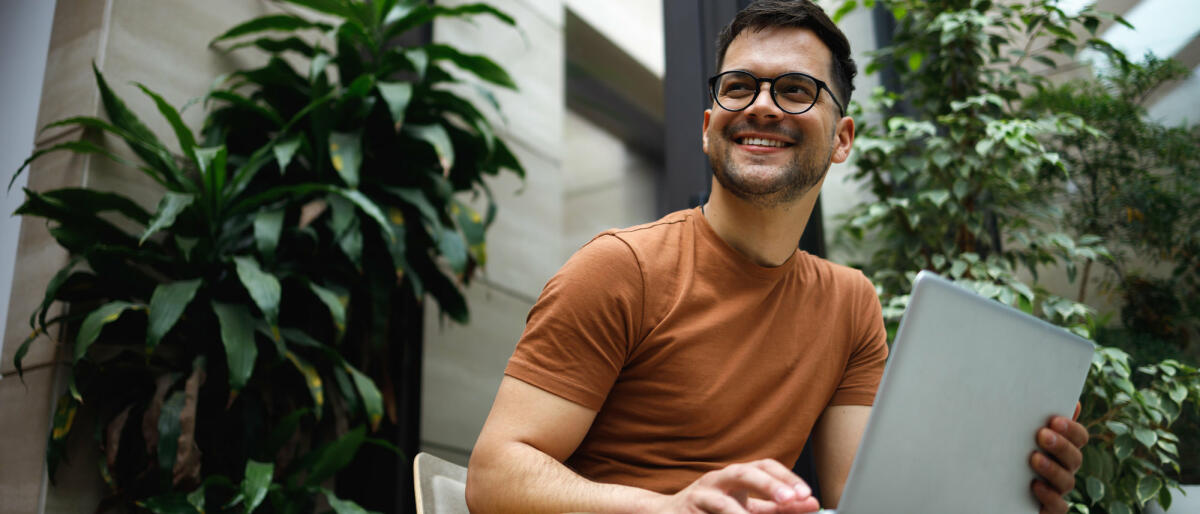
{"x": 762, "y": 154}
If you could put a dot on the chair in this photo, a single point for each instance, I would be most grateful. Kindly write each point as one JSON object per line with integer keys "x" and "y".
{"x": 441, "y": 485}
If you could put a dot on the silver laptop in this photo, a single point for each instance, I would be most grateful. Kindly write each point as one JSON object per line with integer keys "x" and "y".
{"x": 968, "y": 384}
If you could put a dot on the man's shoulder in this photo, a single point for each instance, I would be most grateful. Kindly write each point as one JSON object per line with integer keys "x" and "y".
{"x": 825, "y": 270}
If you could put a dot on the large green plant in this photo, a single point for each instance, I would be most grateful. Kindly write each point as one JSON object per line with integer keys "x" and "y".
{"x": 225, "y": 343}
{"x": 966, "y": 185}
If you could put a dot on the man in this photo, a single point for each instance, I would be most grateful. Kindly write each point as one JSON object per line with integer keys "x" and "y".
{"x": 675, "y": 366}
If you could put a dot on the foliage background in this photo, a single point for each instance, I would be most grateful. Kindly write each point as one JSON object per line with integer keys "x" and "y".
{"x": 975, "y": 169}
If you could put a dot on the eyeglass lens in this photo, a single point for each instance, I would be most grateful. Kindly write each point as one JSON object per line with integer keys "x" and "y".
{"x": 793, "y": 93}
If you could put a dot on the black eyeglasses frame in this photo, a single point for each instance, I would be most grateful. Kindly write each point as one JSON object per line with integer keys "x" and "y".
{"x": 712, "y": 91}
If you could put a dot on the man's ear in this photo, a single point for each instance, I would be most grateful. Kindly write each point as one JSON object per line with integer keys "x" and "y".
{"x": 843, "y": 139}
{"x": 704, "y": 131}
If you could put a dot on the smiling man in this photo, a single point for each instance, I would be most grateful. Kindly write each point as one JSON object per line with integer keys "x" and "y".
{"x": 680, "y": 366}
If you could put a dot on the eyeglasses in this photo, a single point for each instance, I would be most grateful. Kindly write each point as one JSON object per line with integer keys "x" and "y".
{"x": 793, "y": 93}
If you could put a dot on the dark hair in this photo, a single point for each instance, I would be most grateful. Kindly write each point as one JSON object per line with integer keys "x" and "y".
{"x": 764, "y": 14}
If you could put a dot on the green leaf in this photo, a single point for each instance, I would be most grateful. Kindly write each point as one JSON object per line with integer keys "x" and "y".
{"x": 263, "y": 287}
{"x": 93, "y": 201}
{"x": 285, "y": 149}
{"x": 312, "y": 380}
{"x": 341, "y": 9}
{"x": 478, "y": 65}
{"x": 368, "y": 207}
{"x": 396, "y": 95}
{"x": 284, "y": 430}
{"x": 166, "y": 306}
{"x": 341, "y": 506}
{"x": 212, "y": 169}
{"x": 268, "y": 225}
{"x": 187, "y": 140}
{"x": 1147, "y": 488}
{"x": 1145, "y": 436}
{"x": 169, "y": 429}
{"x": 84, "y": 148}
{"x": 405, "y": 16}
{"x": 237, "y": 335}
{"x": 242, "y": 103}
{"x": 1095, "y": 490}
{"x": 95, "y": 321}
{"x": 334, "y": 456}
{"x": 1123, "y": 446}
{"x": 278, "y": 46}
{"x": 276, "y": 22}
{"x": 169, "y": 503}
{"x": 371, "y": 397}
{"x": 169, "y": 207}
{"x": 345, "y": 153}
{"x": 1119, "y": 508}
{"x": 451, "y": 245}
{"x": 256, "y": 482}
{"x": 335, "y": 303}
{"x": 141, "y": 140}
{"x": 846, "y": 8}
{"x": 437, "y": 137}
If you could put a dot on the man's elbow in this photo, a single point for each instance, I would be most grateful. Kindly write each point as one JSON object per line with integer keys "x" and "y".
{"x": 478, "y": 489}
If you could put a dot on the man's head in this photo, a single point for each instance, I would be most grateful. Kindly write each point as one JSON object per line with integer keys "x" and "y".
{"x": 764, "y": 14}
{"x": 769, "y": 153}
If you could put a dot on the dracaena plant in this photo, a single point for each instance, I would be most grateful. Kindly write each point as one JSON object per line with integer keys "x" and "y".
{"x": 226, "y": 343}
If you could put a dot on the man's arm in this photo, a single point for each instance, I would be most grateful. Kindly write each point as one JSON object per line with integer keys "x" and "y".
{"x": 835, "y": 441}
{"x": 516, "y": 466}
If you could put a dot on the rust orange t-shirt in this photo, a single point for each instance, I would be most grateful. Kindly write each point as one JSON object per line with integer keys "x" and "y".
{"x": 695, "y": 357}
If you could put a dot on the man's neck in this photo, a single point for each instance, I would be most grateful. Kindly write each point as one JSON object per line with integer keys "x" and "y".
{"x": 766, "y": 235}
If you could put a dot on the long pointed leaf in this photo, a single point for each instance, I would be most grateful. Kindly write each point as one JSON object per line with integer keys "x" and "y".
{"x": 169, "y": 428}
{"x": 335, "y": 303}
{"x": 369, "y": 207}
{"x": 396, "y": 95}
{"x": 95, "y": 322}
{"x": 187, "y": 140}
{"x": 169, "y": 207}
{"x": 149, "y": 148}
{"x": 95, "y": 202}
{"x": 404, "y": 17}
{"x": 312, "y": 380}
{"x": 237, "y": 335}
{"x": 263, "y": 287}
{"x": 345, "y": 153}
{"x": 256, "y": 482}
{"x": 212, "y": 163}
{"x": 478, "y": 65}
{"x": 241, "y": 102}
{"x": 272, "y": 22}
{"x": 268, "y": 225}
{"x": 341, "y": 506}
{"x": 85, "y": 148}
{"x": 285, "y": 150}
{"x": 438, "y": 138}
{"x": 60, "y": 428}
{"x": 335, "y": 456}
{"x": 166, "y": 306}
{"x": 371, "y": 397}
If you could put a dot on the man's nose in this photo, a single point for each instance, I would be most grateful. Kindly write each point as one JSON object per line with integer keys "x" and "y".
{"x": 763, "y": 104}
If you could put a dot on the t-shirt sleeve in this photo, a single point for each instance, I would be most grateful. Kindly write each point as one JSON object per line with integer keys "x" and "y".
{"x": 580, "y": 331}
{"x": 864, "y": 369}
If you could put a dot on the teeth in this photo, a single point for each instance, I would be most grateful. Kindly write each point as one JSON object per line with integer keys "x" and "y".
{"x": 758, "y": 141}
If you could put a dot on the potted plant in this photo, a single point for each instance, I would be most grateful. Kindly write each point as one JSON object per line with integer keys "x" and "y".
{"x": 230, "y": 343}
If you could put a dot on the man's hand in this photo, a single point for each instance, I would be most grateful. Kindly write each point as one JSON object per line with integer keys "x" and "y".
{"x": 729, "y": 490}
{"x": 1060, "y": 457}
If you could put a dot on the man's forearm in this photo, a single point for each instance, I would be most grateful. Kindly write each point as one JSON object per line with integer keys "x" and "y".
{"x": 516, "y": 477}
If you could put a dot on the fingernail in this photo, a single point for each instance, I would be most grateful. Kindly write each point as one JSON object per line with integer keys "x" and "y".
{"x": 803, "y": 490}
{"x": 783, "y": 494}
{"x": 1042, "y": 462}
{"x": 1051, "y": 439}
{"x": 1060, "y": 425}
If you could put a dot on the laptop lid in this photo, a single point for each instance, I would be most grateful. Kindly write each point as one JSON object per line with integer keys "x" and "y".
{"x": 968, "y": 384}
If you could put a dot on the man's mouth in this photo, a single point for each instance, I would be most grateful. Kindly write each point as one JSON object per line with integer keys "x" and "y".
{"x": 761, "y": 141}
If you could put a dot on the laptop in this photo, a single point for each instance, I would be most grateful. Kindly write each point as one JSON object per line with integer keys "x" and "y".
{"x": 968, "y": 384}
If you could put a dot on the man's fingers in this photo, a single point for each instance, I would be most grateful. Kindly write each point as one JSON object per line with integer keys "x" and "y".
{"x": 1071, "y": 429}
{"x": 785, "y": 475}
{"x": 1052, "y": 501}
{"x": 756, "y": 506}
{"x": 714, "y": 502}
{"x": 1060, "y": 448}
{"x": 1055, "y": 475}
{"x": 754, "y": 478}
